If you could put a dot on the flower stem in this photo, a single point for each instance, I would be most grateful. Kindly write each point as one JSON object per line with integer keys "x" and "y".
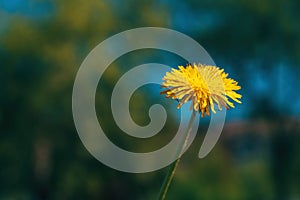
{"x": 169, "y": 176}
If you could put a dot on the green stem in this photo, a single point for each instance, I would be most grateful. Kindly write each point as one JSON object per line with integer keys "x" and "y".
{"x": 169, "y": 176}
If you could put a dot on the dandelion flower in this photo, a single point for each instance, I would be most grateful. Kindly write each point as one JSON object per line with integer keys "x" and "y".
{"x": 204, "y": 85}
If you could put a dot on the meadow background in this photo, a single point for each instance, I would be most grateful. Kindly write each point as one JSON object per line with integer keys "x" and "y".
{"x": 43, "y": 43}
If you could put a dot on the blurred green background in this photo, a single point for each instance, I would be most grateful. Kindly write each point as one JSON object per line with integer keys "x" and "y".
{"x": 43, "y": 43}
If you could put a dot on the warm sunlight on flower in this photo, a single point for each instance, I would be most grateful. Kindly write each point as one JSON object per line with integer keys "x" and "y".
{"x": 204, "y": 85}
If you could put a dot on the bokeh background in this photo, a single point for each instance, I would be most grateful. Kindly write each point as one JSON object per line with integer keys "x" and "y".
{"x": 42, "y": 44}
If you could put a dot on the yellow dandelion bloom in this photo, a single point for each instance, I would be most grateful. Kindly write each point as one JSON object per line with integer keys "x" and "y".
{"x": 204, "y": 85}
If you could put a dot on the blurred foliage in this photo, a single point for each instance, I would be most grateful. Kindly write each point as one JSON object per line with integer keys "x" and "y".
{"x": 41, "y": 154}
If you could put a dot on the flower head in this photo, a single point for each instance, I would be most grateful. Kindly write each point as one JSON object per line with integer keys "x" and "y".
{"x": 204, "y": 85}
